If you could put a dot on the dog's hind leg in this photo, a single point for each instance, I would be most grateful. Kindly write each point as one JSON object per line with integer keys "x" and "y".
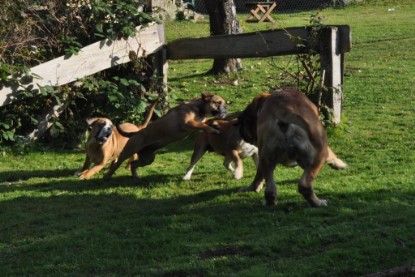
{"x": 125, "y": 154}
{"x": 268, "y": 167}
{"x": 305, "y": 186}
{"x": 145, "y": 157}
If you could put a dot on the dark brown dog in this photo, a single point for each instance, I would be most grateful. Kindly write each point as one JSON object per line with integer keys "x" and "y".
{"x": 286, "y": 128}
{"x": 178, "y": 123}
{"x": 105, "y": 144}
{"x": 227, "y": 143}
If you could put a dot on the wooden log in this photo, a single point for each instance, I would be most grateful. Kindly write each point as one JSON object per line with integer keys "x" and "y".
{"x": 44, "y": 123}
{"x": 395, "y": 272}
{"x": 91, "y": 59}
{"x": 256, "y": 44}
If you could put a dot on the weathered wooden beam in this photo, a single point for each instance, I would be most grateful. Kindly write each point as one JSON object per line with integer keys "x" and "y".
{"x": 256, "y": 44}
{"x": 91, "y": 59}
{"x": 332, "y": 64}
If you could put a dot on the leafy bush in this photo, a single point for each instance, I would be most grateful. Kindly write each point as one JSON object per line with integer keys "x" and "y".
{"x": 32, "y": 32}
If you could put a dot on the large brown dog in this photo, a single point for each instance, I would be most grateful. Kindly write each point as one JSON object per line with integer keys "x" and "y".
{"x": 286, "y": 128}
{"x": 178, "y": 123}
{"x": 105, "y": 144}
{"x": 227, "y": 143}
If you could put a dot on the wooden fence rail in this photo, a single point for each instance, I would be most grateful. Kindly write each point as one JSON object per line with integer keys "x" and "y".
{"x": 256, "y": 44}
{"x": 334, "y": 42}
{"x": 90, "y": 60}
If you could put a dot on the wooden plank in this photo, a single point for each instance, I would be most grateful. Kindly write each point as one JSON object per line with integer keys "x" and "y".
{"x": 91, "y": 59}
{"x": 256, "y": 44}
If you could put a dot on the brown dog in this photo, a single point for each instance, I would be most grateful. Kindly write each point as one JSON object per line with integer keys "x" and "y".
{"x": 227, "y": 143}
{"x": 105, "y": 144}
{"x": 286, "y": 128}
{"x": 178, "y": 123}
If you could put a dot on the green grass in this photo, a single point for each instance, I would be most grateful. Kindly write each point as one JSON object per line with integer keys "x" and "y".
{"x": 54, "y": 224}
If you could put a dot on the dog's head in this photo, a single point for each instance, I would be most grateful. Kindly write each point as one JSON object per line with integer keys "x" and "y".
{"x": 214, "y": 105}
{"x": 100, "y": 129}
{"x": 247, "y": 120}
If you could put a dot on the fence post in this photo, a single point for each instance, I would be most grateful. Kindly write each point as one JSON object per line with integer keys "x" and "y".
{"x": 163, "y": 67}
{"x": 332, "y": 63}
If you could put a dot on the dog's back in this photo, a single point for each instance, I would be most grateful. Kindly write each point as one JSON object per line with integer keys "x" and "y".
{"x": 289, "y": 124}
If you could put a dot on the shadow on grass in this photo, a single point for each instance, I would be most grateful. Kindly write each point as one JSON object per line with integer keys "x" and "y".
{"x": 102, "y": 231}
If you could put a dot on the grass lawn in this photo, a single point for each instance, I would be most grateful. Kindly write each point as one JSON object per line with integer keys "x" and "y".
{"x": 54, "y": 224}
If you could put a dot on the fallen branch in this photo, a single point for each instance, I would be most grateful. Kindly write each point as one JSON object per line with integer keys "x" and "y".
{"x": 395, "y": 272}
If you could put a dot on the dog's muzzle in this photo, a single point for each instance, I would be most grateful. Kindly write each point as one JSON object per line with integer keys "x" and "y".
{"x": 104, "y": 134}
{"x": 221, "y": 113}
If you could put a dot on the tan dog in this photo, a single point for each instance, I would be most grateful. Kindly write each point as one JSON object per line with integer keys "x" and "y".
{"x": 286, "y": 128}
{"x": 227, "y": 143}
{"x": 178, "y": 123}
{"x": 105, "y": 144}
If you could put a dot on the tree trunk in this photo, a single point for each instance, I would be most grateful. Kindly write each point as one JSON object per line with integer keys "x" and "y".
{"x": 222, "y": 19}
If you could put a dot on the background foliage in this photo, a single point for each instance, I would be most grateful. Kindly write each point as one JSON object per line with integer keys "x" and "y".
{"x": 33, "y": 32}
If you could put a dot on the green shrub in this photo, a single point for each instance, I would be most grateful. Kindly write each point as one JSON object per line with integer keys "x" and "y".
{"x": 43, "y": 32}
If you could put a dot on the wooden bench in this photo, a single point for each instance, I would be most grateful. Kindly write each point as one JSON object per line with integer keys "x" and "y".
{"x": 260, "y": 11}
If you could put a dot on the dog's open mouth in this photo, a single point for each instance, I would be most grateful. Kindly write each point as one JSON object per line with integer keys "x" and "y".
{"x": 103, "y": 135}
{"x": 102, "y": 139}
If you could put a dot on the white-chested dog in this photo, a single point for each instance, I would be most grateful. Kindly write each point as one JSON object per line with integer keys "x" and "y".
{"x": 105, "y": 143}
{"x": 228, "y": 143}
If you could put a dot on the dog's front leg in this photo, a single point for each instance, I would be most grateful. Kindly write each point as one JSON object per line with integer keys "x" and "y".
{"x": 87, "y": 164}
{"x": 193, "y": 124}
{"x": 86, "y": 174}
{"x": 238, "y": 172}
{"x": 255, "y": 158}
{"x": 199, "y": 150}
{"x": 145, "y": 157}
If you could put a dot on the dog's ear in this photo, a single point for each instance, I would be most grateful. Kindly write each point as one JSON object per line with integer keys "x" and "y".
{"x": 207, "y": 96}
{"x": 90, "y": 121}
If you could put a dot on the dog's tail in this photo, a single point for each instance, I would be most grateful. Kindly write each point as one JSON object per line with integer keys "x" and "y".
{"x": 149, "y": 115}
{"x": 140, "y": 126}
{"x": 125, "y": 134}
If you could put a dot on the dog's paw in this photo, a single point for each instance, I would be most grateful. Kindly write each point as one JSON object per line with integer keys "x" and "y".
{"x": 83, "y": 177}
{"x": 237, "y": 176}
{"x": 323, "y": 203}
{"x": 337, "y": 164}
